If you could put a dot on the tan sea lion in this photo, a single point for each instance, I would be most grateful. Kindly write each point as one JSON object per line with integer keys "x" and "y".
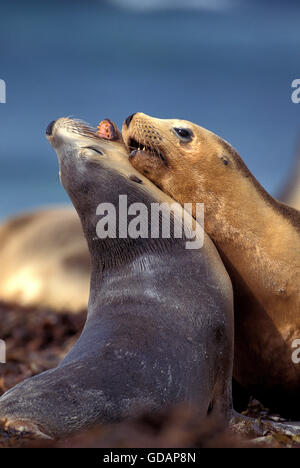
{"x": 44, "y": 260}
{"x": 159, "y": 330}
{"x": 258, "y": 239}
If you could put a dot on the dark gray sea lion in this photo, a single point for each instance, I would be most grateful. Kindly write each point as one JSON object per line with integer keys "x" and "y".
{"x": 159, "y": 329}
{"x": 44, "y": 261}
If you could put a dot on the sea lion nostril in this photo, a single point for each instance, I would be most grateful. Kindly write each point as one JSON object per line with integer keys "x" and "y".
{"x": 50, "y": 128}
{"x": 129, "y": 119}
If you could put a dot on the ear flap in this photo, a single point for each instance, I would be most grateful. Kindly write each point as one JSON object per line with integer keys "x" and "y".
{"x": 225, "y": 160}
{"x": 108, "y": 130}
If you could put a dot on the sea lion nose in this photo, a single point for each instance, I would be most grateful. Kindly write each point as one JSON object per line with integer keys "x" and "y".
{"x": 129, "y": 119}
{"x": 49, "y": 129}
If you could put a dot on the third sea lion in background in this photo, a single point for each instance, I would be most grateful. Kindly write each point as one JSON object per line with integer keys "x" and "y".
{"x": 258, "y": 239}
{"x": 44, "y": 261}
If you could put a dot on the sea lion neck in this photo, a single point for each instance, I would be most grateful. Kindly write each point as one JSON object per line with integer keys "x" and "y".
{"x": 109, "y": 254}
{"x": 144, "y": 273}
{"x": 106, "y": 212}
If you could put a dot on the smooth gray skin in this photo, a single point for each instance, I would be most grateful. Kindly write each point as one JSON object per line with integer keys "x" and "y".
{"x": 159, "y": 329}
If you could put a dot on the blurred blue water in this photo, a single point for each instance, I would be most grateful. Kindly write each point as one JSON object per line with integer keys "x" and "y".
{"x": 230, "y": 71}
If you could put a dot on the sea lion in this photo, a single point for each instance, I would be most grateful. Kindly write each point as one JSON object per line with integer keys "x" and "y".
{"x": 159, "y": 329}
{"x": 258, "y": 239}
{"x": 290, "y": 194}
{"x": 44, "y": 261}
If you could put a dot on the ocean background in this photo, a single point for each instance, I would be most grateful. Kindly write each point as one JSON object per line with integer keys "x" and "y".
{"x": 226, "y": 65}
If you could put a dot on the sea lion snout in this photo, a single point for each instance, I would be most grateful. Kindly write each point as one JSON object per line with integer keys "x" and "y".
{"x": 129, "y": 119}
{"x": 66, "y": 128}
{"x": 50, "y": 128}
{"x": 146, "y": 146}
{"x": 77, "y": 142}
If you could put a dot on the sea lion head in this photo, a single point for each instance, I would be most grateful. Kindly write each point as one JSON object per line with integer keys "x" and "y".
{"x": 182, "y": 158}
{"x": 95, "y": 169}
{"x": 83, "y": 151}
{"x": 93, "y": 163}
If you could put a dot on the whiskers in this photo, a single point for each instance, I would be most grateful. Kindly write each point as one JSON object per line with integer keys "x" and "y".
{"x": 82, "y": 128}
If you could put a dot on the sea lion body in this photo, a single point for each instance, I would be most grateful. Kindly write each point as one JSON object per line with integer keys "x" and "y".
{"x": 258, "y": 239}
{"x": 45, "y": 261}
{"x": 152, "y": 339}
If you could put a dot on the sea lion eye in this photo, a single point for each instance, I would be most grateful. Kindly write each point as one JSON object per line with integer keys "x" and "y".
{"x": 93, "y": 148}
{"x": 184, "y": 133}
{"x": 225, "y": 160}
{"x": 134, "y": 178}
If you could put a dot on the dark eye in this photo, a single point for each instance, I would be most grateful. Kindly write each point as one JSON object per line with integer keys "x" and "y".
{"x": 225, "y": 160}
{"x": 94, "y": 149}
{"x": 134, "y": 178}
{"x": 184, "y": 133}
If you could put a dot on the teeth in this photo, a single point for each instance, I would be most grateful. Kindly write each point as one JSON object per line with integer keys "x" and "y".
{"x": 139, "y": 147}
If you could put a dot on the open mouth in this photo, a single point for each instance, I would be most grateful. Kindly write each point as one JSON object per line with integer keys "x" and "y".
{"x": 135, "y": 147}
{"x": 106, "y": 129}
